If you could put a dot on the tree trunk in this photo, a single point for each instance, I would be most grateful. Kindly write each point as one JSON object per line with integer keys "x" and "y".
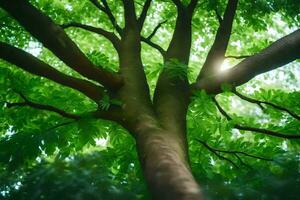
{"x": 164, "y": 159}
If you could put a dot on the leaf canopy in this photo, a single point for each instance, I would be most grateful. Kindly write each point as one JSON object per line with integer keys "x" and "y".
{"x": 45, "y": 156}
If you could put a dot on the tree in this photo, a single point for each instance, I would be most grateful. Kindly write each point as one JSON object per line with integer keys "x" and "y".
{"x": 39, "y": 111}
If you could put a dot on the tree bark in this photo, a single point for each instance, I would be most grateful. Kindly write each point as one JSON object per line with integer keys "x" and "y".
{"x": 164, "y": 159}
{"x": 35, "y": 66}
{"x": 58, "y": 42}
{"x": 278, "y": 54}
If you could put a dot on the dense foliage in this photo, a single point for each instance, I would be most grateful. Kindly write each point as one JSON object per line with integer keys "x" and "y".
{"x": 46, "y": 156}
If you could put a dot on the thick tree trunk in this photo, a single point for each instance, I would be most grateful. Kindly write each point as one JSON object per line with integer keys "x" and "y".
{"x": 164, "y": 159}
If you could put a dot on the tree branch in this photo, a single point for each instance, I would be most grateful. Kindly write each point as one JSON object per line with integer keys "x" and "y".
{"x": 130, "y": 15}
{"x": 108, "y": 35}
{"x": 248, "y": 99}
{"x": 242, "y": 162}
{"x": 156, "y": 29}
{"x": 55, "y": 39}
{"x": 42, "y": 107}
{"x": 172, "y": 92}
{"x": 258, "y": 130}
{"x": 143, "y": 15}
{"x": 267, "y": 132}
{"x": 238, "y": 57}
{"x": 99, "y": 6}
{"x": 216, "y": 153}
{"x": 60, "y": 125}
{"x": 108, "y": 12}
{"x": 217, "y": 52}
{"x": 178, "y": 4}
{"x": 155, "y": 46}
{"x": 111, "y": 17}
{"x": 114, "y": 113}
{"x": 221, "y": 110}
{"x": 131, "y": 22}
{"x": 148, "y": 41}
{"x": 259, "y": 102}
{"x": 278, "y": 54}
{"x": 191, "y": 7}
{"x": 219, "y": 17}
{"x": 180, "y": 45}
{"x": 237, "y": 152}
{"x": 35, "y": 66}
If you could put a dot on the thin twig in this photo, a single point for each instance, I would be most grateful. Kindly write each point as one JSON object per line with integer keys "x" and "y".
{"x": 240, "y": 152}
{"x": 242, "y": 162}
{"x": 216, "y": 153}
{"x": 219, "y": 17}
{"x": 259, "y": 102}
{"x": 156, "y": 29}
{"x": 253, "y": 129}
{"x": 41, "y": 107}
{"x": 105, "y": 8}
{"x": 154, "y": 45}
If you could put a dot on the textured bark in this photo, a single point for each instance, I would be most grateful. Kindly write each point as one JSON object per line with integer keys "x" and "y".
{"x": 135, "y": 91}
{"x": 170, "y": 104}
{"x": 56, "y": 40}
{"x": 164, "y": 160}
{"x": 216, "y": 55}
{"x": 162, "y": 146}
{"x": 278, "y": 54}
{"x": 37, "y": 67}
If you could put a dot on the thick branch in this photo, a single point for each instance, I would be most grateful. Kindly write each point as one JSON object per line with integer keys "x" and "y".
{"x": 54, "y": 38}
{"x": 258, "y": 130}
{"x": 178, "y": 4}
{"x": 108, "y": 35}
{"x": 259, "y": 102}
{"x": 114, "y": 113}
{"x": 278, "y": 54}
{"x": 143, "y": 15}
{"x": 172, "y": 91}
{"x": 180, "y": 45}
{"x": 217, "y": 52}
{"x": 108, "y": 12}
{"x": 35, "y": 66}
{"x": 130, "y": 15}
{"x": 191, "y": 7}
{"x": 42, "y": 107}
